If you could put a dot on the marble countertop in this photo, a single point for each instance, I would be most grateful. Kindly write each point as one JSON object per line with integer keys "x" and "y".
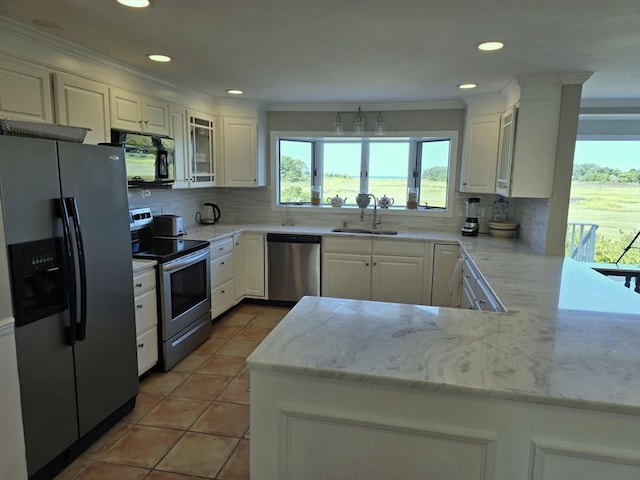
{"x": 574, "y": 359}
{"x": 571, "y": 337}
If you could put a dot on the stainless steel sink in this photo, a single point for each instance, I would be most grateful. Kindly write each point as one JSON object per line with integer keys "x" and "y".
{"x": 366, "y": 231}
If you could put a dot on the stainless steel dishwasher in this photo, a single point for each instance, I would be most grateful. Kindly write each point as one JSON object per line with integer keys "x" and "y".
{"x": 294, "y": 266}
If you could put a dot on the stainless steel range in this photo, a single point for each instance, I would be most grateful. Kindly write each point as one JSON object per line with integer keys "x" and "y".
{"x": 184, "y": 294}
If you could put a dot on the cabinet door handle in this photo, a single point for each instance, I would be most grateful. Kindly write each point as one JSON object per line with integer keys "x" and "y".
{"x": 375, "y": 264}
{"x": 138, "y": 285}
{"x": 222, "y": 291}
{"x": 221, "y": 263}
{"x": 482, "y": 301}
{"x": 366, "y": 264}
{"x": 139, "y": 307}
{"x": 141, "y": 345}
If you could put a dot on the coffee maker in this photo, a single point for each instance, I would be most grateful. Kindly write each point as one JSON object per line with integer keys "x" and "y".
{"x": 471, "y": 226}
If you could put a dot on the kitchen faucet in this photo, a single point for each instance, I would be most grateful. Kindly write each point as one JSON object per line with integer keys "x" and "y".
{"x": 375, "y": 212}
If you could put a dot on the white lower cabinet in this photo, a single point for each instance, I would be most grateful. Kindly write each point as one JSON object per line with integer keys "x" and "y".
{"x": 372, "y": 431}
{"x": 254, "y": 266}
{"x": 239, "y": 283}
{"x": 444, "y": 291}
{"x": 222, "y": 276}
{"x": 144, "y": 287}
{"x": 346, "y": 275}
{"x": 365, "y": 269}
{"x": 445, "y": 257}
{"x": 476, "y": 292}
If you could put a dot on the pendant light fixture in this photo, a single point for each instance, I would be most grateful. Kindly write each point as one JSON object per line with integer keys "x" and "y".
{"x": 337, "y": 125}
{"x": 358, "y": 123}
{"x": 379, "y": 125}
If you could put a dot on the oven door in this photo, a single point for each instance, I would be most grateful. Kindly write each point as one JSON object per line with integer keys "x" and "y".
{"x": 185, "y": 291}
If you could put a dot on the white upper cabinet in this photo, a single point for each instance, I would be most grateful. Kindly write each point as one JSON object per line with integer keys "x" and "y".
{"x": 511, "y": 138}
{"x": 83, "y": 103}
{"x": 528, "y": 140}
{"x": 239, "y": 165}
{"x": 505, "y": 152}
{"x": 202, "y": 169}
{"x": 137, "y": 113}
{"x": 480, "y": 153}
{"x": 179, "y": 131}
{"x": 25, "y": 92}
{"x": 194, "y": 134}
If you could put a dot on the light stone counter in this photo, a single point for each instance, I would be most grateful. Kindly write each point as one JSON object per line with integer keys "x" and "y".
{"x": 573, "y": 358}
{"x": 571, "y": 337}
{"x": 139, "y": 264}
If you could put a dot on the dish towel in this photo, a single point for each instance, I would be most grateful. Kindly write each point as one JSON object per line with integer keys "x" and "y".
{"x": 455, "y": 284}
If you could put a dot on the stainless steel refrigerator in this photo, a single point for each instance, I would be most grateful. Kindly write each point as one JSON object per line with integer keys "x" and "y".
{"x": 67, "y": 229}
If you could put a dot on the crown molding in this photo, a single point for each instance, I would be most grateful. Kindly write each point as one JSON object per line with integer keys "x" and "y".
{"x": 16, "y": 36}
{"x": 366, "y": 107}
{"x": 575, "y": 78}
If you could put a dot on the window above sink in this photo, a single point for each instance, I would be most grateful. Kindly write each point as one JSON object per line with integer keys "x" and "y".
{"x": 385, "y": 166}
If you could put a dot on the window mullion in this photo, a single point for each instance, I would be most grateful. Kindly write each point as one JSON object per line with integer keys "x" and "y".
{"x": 364, "y": 166}
{"x": 317, "y": 164}
{"x": 413, "y": 176}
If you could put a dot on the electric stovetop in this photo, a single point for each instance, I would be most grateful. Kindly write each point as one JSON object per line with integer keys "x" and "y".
{"x": 162, "y": 249}
{"x": 166, "y": 249}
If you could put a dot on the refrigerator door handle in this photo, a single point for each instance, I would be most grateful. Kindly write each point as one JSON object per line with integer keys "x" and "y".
{"x": 70, "y": 277}
{"x": 72, "y": 205}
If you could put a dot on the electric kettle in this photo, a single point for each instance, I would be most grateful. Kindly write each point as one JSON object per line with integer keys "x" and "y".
{"x": 210, "y": 214}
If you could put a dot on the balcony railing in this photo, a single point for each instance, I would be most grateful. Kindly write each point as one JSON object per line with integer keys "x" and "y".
{"x": 581, "y": 241}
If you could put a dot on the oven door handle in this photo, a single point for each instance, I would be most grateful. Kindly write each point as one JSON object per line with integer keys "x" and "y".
{"x": 185, "y": 261}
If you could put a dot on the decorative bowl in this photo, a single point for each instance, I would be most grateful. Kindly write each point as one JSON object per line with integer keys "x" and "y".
{"x": 502, "y": 229}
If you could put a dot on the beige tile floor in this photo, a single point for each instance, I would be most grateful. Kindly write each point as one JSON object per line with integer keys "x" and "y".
{"x": 193, "y": 421}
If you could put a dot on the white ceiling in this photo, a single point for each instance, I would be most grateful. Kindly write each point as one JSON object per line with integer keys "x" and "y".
{"x": 356, "y": 51}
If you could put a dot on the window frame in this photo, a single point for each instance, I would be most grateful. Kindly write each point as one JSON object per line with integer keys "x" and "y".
{"x": 317, "y": 173}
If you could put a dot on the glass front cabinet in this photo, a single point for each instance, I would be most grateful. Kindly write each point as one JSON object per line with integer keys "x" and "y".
{"x": 505, "y": 151}
{"x": 201, "y": 151}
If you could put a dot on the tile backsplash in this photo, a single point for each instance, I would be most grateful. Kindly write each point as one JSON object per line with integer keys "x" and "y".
{"x": 254, "y": 206}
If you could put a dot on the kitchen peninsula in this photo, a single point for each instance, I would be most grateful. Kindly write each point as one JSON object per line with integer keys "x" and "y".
{"x": 346, "y": 389}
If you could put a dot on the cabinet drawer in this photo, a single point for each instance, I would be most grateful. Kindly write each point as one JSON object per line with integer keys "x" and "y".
{"x": 144, "y": 281}
{"x": 222, "y": 298}
{"x": 147, "y": 350}
{"x": 486, "y": 300}
{"x": 146, "y": 311}
{"x": 222, "y": 247}
{"x": 222, "y": 269}
{"x": 346, "y": 245}
{"x": 399, "y": 247}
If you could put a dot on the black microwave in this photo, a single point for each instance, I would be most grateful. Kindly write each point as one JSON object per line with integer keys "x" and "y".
{"x": 149, "y": 158}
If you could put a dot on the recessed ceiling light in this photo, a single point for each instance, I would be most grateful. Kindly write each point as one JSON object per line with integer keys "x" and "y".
{"x": 159, "y": 58}
{"x": 491, "y": 46}
{"x": 135, "y": 3}
{"x": 466, "y": 86}
{"x": 235, "y": 91}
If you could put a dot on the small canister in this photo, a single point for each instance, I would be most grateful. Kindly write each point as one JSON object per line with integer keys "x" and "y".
{"x": 412, "y": 198}
{"x": 501, "y": 209}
